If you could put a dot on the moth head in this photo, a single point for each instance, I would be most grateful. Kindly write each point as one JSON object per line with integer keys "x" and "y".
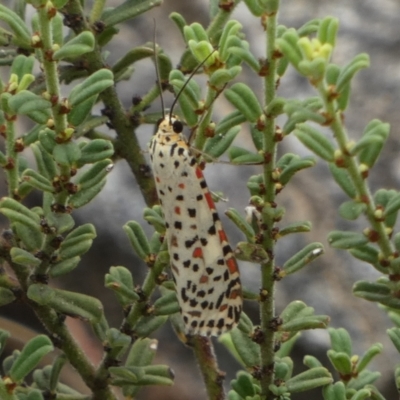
{"x": 170, "y": 122}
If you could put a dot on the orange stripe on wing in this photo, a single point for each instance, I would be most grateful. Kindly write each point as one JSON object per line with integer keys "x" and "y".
{"x": 198, "y": 252}
{"x": 222, "y": 236}
{"x": 199, "y": 173}
{"x": 232, "y": 266}
{"x": 210, "y": 201}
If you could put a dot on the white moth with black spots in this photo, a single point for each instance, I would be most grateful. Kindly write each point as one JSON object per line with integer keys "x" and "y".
{"x": 202, "y": 262}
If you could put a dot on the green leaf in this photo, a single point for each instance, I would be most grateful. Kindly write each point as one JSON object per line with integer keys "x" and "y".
{"x": 147, "y": 325}
{"x": 364, "y": 378}
{"x": 195, "y": 32}
{"x": 95, "y": 174}
{"x": 23, "y": 257}
{"x": 81, "y": 44}
{"x": 63, "y": 267}
{"x": 138, "y": 239}
{"x": 243, "y": 98}
{"x": 230, "y": 30}
{"x": 346, "y": 74}
{"x": 66, "y": 154}
{"x": 248, "y": 351}
{"x": 340, "y": 361}
{"x": 120, "y": 280}
{"x": 251, "y": 252}
{"x": 241, "y": 223}
{"x": 79, "y": 114}
{"x": 84, "y": 196}
{"x": 308, "y": 380}
{"x": 229, "y": 121}
{"x": 243, "y": 385}
{"x": 343, "y": 179}
{"x": 300, "y": 324}
{"x": 30, "y": 356}
{"x": 22, "y": 65}
{"x": 346, "y": 240}
{"x": 91, "y": 86}
{"x": 295, "y": 227}
{"x": 334, "y": 391}
{"x": 351, "y": 209}
{"x": 315, "y": 141}
{"x": 366, "y": 253}
{"x": 377, "y": 292}
{"x": 26, "y": 102}
{"x": 142, "y": 352}
{"x": 238, "y": 155}
{"x": 167, "y": 304}
{"x": 394, "y": 334}
{"x": 37, "y": 180}
{"x": 95, "y": 150}
{"x": 6, "y": 297}
{"x": 154, "y": 217}
{"x": 4, "y": 335}
{"x": 327, "y": 30}
{"x": 76, "y": 305}
{"x": 129, "y": 10}
{"x": 17, "y": 25}
{"x": 287, "y": 44}
{"x": 217, "y": 145}
{"x": 367, "y": 357}
{"x": 340, "y": 341}
{"x": 302, "y": 258}
{"x": 77, "y": 242}
{"x": 246, "y": 56}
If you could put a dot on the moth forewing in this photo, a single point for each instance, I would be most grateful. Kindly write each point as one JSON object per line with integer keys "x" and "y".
{"x": 202, "y": 262}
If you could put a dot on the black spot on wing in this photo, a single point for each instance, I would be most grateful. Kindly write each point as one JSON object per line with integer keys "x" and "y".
{"x": 219, "y": 301}
{"x": 189, "y": 243}
{"x": 221, "y": 323}
{"x": 178, "y": 225}
{"x": 226, "y": 249}
{"x": 183, "y": 295}
{"x": 212, "y": 230}
{"x": 173, "y": 147}
{"x": 193, "y": 302}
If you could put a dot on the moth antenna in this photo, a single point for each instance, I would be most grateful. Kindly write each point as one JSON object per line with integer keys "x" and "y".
{"x": 157, "y": 69}
{"x": 187, "y": 82}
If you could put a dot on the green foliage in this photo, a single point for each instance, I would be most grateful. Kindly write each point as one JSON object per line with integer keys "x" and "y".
{"x": 72, "y": 161}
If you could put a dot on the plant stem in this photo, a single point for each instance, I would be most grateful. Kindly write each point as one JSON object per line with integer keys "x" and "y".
{"x": 212, "y": 376}
{"x": 352, "y": 166}
{"x": 267, "y": 307}
{"x": 12, "y": 158}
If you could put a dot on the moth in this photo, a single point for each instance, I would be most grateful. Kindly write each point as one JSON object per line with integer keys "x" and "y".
{"x": 204, "y": 269}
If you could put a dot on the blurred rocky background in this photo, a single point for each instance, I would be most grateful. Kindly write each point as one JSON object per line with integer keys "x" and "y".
{"x": 365, "y": 26}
